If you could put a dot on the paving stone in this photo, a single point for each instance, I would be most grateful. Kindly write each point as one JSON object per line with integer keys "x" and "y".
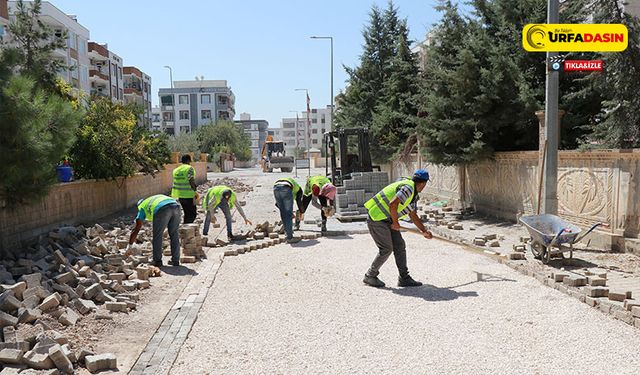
{"x": 624, "y": 316}
{"x": 17, "y": 289}
{"x": 33, "y": 280}
{"x": 617, "y": 296}
{"x": 229, "y": 253}
{"x": 60, "y": 360}
{"x": 142, "y": 284}
{"x": 103, "y": 296}
{"x": 636, "y": 322}
{"x": 84, "y": 306}
{"x": 516, "y": 256}
{"x": 8, "y": 302}
{"x": 101, "y": 362}
{"x": 38, "y": 291}
{"x": 575, "y": 280}
{"x": 596, "y": 291}
{"x": 31, "y": 302}
{"x": 142, "y": 272}
{"x": 91, "y": 291}
{"x": 29, "y": 315}
{"x": 117, "y": 276}
{"x": 559, "y": 276}
{"x": 630, "y": 303}
{"x": 188, "y": 259}
{"x": 69, "y": 317}
{"x": 596, "y": 281}
{"x": 11, "y": 356}
{"x": 480, "y": 241}
{"x": 38, "y": 361}
{"x": 635, "y": 311}
{"x": 50, "y": 302}
{"x": 65, "y": 278}
{"x": 7, "y": 320}
{"x": 116, "y": 306}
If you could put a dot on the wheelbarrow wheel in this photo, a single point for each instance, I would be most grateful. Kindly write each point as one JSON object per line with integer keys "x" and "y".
{"x": 546, "y": 255}
{"x": 536, "y": 249}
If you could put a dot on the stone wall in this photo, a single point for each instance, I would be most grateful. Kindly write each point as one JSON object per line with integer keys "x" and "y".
{"x": 83, "y": 201}
{"x": 594, "y": 186}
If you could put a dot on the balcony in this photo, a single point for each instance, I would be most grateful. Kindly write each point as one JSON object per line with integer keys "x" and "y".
{"x": 132, "y": 91}
{"x": 99, "y": 93}
{"x": 98, "y": 76}
{"x": 98, "y": 52}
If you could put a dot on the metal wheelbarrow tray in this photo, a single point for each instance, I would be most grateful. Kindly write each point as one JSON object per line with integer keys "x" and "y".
{"x": 550, "y": 235}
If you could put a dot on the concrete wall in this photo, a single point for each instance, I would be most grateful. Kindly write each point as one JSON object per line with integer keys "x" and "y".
{"x": 597, "y": 186}
{"x": 82, "y": 201}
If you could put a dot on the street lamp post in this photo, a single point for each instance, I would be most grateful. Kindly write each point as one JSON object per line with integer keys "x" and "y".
{"x": 296, "y": 134}
{"x": 307, "y": 141}
{"x": 173, "y": 98}
{"x": 331, "y": 101}
{"x": 550, "y": 176}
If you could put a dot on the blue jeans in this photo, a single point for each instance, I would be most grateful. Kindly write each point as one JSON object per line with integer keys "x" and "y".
{"x": 284, "y": 202}
{"x": 224, "y": 207}
{"x": 166, "y": 217}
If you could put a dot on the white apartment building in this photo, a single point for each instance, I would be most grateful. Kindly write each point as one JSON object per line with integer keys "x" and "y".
{"x": 319, "y": 123}
{"x": 257, "y": 132}
{"x": 191, "y": 104}
{"x": 137, "y": 90}
{"x": 4, "y": 18}
{"x": 105, "y": 73}
{"x": 76, "y": 52}
{"x": 156, "y": 118}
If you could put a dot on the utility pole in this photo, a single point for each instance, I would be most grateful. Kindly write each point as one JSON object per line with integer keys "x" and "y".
{"x": 550, "y": 177}
{"x": 173, "y": 98}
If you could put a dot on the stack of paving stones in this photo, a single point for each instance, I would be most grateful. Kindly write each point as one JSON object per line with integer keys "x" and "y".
{"x": 350, "y": 197}
{"x": 70, "y": 274}
{"x": 192, "y": 243}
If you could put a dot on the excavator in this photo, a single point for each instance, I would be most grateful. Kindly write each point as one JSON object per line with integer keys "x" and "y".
{"x": 274, "y": 156}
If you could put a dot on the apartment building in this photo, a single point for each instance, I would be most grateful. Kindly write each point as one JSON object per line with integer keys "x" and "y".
{"x": 137, "y": 90}
{"x": 191, "y": 104}
{"x": 319, "y": 123}
{"x": 4, "y": 18}
{"x": 105, "y": 73}
{"x": 75, "y": 53}
{"x": 257, "y": 132}
{"x": 156, "y": 118}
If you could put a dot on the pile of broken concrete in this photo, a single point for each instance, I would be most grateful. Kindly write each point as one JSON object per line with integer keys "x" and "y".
{"x": 69, "y": 274}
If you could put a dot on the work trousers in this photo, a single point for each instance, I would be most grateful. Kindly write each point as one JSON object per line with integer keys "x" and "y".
{"x": 189, "y": 208}
{"x": 284, "y": 201}
{"x": 167, "y": 217}
{"x": 388, "y": 241}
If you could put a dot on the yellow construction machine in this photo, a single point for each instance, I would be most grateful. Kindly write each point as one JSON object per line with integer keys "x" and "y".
{"x": 275, "y": 156}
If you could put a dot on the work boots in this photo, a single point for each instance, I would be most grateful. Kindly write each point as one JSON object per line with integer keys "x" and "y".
{"x": 373, "y": 281}
{"x": 407, "y": 281}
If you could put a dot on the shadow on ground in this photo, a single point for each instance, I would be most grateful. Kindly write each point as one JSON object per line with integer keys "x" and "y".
{"x": 432, "y": 293}
{"x": 305, "y": 243}
{"x": 178, "y": 271}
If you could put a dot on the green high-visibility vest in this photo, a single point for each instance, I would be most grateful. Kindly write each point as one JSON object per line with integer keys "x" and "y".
{"x": 295, "y": 186}
{"x": 181, "y": 186}
{"x": 214, "y": 197}
{"x": 319, "y": 181}
{"x": 378, "y": 206}
{"x": 149, "y": 205}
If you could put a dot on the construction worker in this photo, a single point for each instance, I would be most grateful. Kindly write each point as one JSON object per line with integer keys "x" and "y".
{"x": 184, "y": 188}
{"x": 285, "y": 191}
{"x": 164, "y": 213}
{"x": 321, "y": 193}
{"x": 396, "y": 201}
{"x": 225, "y": 198}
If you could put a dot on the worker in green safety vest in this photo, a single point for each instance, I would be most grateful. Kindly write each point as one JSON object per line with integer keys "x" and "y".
{"x": 222, "y": 197}
{"x": 321, "y": 193}
{"x": 396, "y": 201}
{"x": 285, "y": 191}
{"x": 164, "y": 213}
{"x": 184, "y": 188}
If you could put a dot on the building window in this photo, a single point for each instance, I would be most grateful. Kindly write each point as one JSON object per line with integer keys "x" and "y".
{"x": 314, "y": 110}
{"x": 114, "y": 90}
{"x": 184, "y": 115}
{"x": 167, "y": 116}
{"x": 206, "y": 114}
{"x": 222, "y": 100}
{"x": 121, "y": 94}
{"x": 314, "y": 141}
{"x": 223, "y": 115}
{"x": 183, "y": 99}
{"x": 289, "y": 134}
{"x": 166, "y": 100}
{"x": 289, "y": 125}
{"x": 313, "y": 121}
{"x": 119, "y": 72}
{"x": 205, "y": 99}
{"x": 322, "y": 120}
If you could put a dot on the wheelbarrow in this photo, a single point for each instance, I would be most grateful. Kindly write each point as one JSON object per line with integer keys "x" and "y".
{"x": 550, "y": 235}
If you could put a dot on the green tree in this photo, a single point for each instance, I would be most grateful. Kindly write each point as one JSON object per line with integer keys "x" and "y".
{"x": 37, "y": 129}
{"x": 185, "y": 143}
{"x": 109, "y": 144}
{"x": 32, "y": 43}
{"x": 365, "y": 101}
{"x": 225, "y": 136}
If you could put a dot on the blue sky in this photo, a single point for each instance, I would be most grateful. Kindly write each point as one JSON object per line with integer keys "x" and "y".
{"x": 262, "y": 48}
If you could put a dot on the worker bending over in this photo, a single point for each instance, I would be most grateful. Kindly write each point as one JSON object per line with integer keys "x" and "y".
{"x": 321, "y": 193}
{"x": 396, "y": 201}
{"x": 222, "y": 197}
{"x": 164, "y": 213}
{"x": 184, "y": 188}
{"x": 285, "y": 191}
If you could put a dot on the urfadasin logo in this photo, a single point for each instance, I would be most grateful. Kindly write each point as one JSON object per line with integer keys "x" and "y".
{"x": 575, "y": 37}
{"x": 536, "y": 36}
